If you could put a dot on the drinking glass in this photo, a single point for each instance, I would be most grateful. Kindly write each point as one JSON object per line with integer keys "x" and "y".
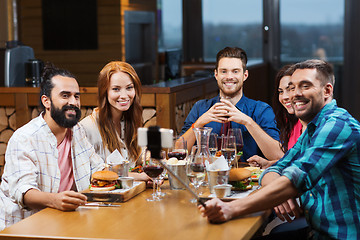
{"x": 236, "y": 132}
{"x": 179, "y": 149}
{"x": 153, "y": 169}
{"x": 195, "y": 171}
{"x": 161, "y": 177}
{"x": 213, "y": 144}
{"x": 228, "y": 148}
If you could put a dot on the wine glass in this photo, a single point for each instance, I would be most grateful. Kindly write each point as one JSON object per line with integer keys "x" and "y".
{"x": 179, "y": 149}
{"x": 236, "y": 132}
{"x": 228, "y": 148}
{"x": 213, "y": 144}
{"x": 161, "y": 177}
{"x": 153, "y": 169}
{"x": 195, "y": 171}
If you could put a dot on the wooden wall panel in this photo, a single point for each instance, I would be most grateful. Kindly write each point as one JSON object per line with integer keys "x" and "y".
{"x": 85, "y": 64}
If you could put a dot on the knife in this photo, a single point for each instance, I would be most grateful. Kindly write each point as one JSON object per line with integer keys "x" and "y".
{"x": 101, "y": 205}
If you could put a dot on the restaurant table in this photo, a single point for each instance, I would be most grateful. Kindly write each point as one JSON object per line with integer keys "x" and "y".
{"x": 172, "y": 218}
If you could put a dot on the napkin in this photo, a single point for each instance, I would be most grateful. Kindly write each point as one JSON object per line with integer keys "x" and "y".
{"x": 219, "y": 164}
{"x": 115, "y": 158}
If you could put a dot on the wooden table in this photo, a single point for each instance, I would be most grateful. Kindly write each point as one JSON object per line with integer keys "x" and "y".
{"x": 172, "y": 218}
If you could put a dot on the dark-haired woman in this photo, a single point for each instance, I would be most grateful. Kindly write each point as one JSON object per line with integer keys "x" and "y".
{"x": 290, "y": 130}
{"x": 289, "y": 125}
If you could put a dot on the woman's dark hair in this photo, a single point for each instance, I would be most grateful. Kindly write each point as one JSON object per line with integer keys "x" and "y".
{"x": 285, "y": 121}
{"x": 47, "y": 85}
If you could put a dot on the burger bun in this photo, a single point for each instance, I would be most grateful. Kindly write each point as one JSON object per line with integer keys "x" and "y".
{"x": 253, "y": 169}
{"x": 238, "y": 174}
{"x": 105, "y": 175}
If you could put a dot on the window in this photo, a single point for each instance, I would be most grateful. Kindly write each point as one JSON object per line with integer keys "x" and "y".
{"x": 69, "y": 25}
{"x": 312, "y": 29}
{"x": 170, "y": 20}
{"x": 234, "y": 23}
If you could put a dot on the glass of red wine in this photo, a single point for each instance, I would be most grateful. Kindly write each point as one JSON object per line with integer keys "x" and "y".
{"x": 161, "y": 177}
{"x": 179, "y": 149}
{"x": 153, "y": 169}
{"x": 236, "y": 132}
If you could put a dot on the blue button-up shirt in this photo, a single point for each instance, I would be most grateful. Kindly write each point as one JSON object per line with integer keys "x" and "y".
{"x": 324, "y": 165}
{"x": 259, "y": 111}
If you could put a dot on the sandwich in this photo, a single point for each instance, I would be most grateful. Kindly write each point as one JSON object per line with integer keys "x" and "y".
{"x": 239, "y": 178}
{"x": 103, "y": 181}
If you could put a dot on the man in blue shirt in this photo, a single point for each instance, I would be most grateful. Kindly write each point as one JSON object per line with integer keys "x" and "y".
{"x": 254, "y": 118}
{"x": 323, "y": 167}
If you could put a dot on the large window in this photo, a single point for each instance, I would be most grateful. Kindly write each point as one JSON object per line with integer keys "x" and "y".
{"x": 312, "y": 29}
{"x": 232, "y": 23}
{"x": 170, "y": 20}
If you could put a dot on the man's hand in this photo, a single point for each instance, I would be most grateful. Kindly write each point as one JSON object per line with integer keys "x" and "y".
{"x": 216, "y": 211}
{"x": 65, "y": 201}
{"x": 257, "y": 161}
{"x": 288, "y": 209}
{"x": 68, "y": 200}
{"x": 233, "y": 114}
{"x": 214, "y": 114}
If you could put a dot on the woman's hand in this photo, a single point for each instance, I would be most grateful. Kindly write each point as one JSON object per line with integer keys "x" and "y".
{"x": 139, "y": 176}
{"x": 257, "y": 161}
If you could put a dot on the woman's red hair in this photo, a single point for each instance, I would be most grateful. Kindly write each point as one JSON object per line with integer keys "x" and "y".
{"x": 132, "y": 117}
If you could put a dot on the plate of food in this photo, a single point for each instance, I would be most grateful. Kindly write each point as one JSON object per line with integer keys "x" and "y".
{"x": 106, "y": 186}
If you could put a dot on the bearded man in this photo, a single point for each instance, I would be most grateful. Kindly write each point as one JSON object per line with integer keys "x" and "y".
{"x": 48, "y": 161}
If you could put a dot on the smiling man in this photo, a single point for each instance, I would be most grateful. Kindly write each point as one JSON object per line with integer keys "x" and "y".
{"x": 231, "y": 109}
{"x": 48, "y": 160}
{"x": 323, "y": 167}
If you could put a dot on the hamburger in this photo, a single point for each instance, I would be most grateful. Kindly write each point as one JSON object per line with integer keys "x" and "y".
{"x": 239, "y": 178}
{"x": 255, "y": 172}
{"x": 103, "y": 181}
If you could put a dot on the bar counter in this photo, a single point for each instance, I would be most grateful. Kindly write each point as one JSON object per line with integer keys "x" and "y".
{"x": 163, "y": 97}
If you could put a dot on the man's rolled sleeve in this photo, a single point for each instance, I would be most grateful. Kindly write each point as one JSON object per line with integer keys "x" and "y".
{"x": 19, "y": 195}
{"x": 296, "y": 176}
{"x": 268, "y": 170}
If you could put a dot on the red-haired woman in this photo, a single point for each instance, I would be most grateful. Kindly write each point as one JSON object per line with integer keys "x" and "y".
{"x": 114, "y": 123}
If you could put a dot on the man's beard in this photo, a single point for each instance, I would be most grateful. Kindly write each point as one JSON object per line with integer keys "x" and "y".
{"x": 59, "y": 115}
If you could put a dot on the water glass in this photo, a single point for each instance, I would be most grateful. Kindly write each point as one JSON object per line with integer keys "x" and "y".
{"x": 213, "y": 144}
